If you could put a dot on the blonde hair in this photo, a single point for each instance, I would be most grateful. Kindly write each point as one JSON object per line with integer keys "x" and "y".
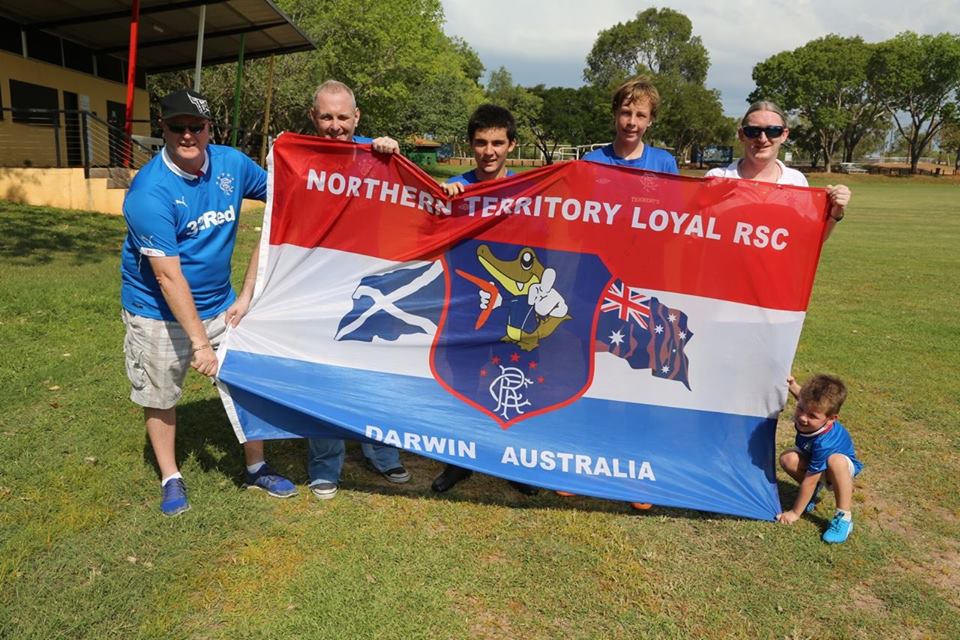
{"x": 764, "y": 105}
{"x": 635, "y": 89}
{"x": 333, "y": 86}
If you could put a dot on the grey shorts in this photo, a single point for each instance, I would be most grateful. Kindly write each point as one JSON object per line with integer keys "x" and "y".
{"x": 158, "y": 355}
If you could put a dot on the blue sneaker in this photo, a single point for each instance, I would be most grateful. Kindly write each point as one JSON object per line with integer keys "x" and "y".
{"x": 839, "y": 530}
{"x": 174, "y": 500}
{"x": 266, "y": 479}
{"x": 814, "y": 500}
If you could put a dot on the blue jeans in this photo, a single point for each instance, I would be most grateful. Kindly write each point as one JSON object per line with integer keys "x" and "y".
{"x": 325, "y": 458}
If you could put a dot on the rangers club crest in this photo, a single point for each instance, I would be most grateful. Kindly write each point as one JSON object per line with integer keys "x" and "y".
{"x": 225, "y": 182}
{"x": 517, "y": 336}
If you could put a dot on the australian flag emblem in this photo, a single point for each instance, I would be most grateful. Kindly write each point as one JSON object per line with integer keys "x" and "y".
{"x": 643, "y": 331}
{"x": 404, "y": 301}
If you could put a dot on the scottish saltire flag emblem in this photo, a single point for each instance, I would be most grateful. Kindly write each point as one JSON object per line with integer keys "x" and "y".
{"x": 644, "y": 332}
{"x": 580, "y": 327}
{"x": 517, "y": 337}
{"x": 387, "y": 306}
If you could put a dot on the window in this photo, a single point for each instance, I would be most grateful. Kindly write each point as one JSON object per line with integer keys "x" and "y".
{"x": 10, "y": 36}
{"x": 77, "y": 57}
{"x": 43, "y": 46}
{"x": 24, "y": 95}
{"x": 110, "y": 68}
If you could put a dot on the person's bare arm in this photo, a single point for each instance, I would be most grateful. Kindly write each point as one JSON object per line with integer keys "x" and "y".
{"x": 241, "y": 305}
{"x": 176, "y": 292}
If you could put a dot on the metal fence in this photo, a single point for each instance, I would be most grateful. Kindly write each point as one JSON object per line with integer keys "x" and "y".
{"x": 66, "y": 138}
{"x": 78, "y": 138}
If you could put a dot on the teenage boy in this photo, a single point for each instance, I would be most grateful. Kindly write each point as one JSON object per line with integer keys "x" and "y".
{"x": 493, "y": 135}
{"x": 634, "y": 107}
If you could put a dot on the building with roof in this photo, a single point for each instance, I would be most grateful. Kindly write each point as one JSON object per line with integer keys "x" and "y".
{"x": 64, "y": 68}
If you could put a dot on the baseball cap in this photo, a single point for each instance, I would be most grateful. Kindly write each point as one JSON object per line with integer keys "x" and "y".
{"x": 185, "y": 102}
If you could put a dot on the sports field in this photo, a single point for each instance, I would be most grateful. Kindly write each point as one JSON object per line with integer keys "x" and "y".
{"x": 85, "y": 553}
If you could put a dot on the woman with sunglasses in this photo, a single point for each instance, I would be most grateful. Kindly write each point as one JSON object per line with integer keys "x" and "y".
{"x": 763, "y": 130}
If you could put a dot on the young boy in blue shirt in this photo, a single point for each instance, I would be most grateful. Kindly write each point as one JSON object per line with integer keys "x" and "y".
{"x": 634, "y": 107}
{"x": 823, "y": 447}
{"x": 492, "y": 131}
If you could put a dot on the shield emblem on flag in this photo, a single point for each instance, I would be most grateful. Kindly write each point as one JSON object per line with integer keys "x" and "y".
{"x": 516, "y": 337}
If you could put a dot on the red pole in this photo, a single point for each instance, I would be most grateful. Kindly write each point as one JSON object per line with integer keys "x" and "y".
{"x": 131, "y": 80}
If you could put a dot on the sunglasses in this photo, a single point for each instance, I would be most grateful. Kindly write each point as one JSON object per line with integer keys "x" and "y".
{"x": 180, "y": 128}
{"x": 773, "y": 132}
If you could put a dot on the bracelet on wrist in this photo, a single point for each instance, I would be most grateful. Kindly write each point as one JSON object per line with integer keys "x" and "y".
{"x": 202, "y": 347}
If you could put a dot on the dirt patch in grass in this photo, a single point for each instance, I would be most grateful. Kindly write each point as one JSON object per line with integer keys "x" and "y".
{"x": 483, "y": 623}
{"x": 943, "y": 573}
{"x": 863, "y": 598}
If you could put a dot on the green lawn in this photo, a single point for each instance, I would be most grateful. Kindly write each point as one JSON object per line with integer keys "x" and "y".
{"x": 85, "y": 553}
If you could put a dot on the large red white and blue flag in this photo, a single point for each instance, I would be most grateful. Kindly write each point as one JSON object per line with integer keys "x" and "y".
{"x": 582, "y": 327}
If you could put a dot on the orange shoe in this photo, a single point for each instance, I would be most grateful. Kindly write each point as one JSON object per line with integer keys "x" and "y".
{"x": 641, "y": 506}
{"x": 565, "y": 494}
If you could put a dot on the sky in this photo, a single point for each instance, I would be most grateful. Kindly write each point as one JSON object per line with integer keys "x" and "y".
{"x": 547, "y": 41}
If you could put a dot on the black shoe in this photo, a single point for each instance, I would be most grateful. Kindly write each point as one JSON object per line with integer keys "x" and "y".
{"x": 450, "y": 476}
{"x": 525, "y": 489}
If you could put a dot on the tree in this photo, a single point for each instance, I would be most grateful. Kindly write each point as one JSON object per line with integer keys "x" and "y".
{"x": 949, "y": 138}
{"x": 469, "y": 59}
{"x": 289, "y": 100}
{"x": 524, "y": 105}
{"x": 658, "y": 42}
{"x": 916, "y": 78}
{"x": 390, "y": 53}
{"x": 408, "y": 76}
{"x": 807, "y": 142}
{"x": 690, "y": 116}
{"x": 825, "y": 83}
{"x": 569, "y": 116}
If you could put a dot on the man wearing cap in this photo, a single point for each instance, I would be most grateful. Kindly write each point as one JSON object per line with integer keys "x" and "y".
{"x": 182, "y": 213}
{"x": 335, "y": 115}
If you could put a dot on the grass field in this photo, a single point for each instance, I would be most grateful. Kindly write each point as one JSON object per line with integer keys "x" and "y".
{"x": 85, "y": 553}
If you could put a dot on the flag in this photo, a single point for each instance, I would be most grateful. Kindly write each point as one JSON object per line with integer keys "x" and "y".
{"x": 644, "y": 332}
{"x": 400, "y": 302}
{"x": 538, "y": 328}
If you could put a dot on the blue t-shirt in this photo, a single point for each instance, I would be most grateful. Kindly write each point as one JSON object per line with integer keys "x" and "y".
{"x": 172, "y": 213}
{"x": 652, "y": 159}
{"x": 470, "y": 177}
{"x": 362, "y": 140}
{"x": 820, "y": 447}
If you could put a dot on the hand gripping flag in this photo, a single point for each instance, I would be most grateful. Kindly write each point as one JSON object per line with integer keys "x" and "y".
{"x": 594, "y": 329}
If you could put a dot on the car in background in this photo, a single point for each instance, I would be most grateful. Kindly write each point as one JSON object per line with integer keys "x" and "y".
{"x": 851, "y": 167}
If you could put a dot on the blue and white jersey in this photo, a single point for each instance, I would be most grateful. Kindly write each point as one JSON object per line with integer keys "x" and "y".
{"x": 652, "y": 159}
{"x": 818, "y": 448}
{"x": 170, "y": 212}
{"x": 470, "y": 177}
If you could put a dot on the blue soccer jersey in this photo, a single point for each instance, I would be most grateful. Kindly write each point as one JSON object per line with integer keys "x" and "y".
{"x": 172, "y": 213}
{"x": 470, "y": 177}
{"x": 652, "y": 159}
{"x": 818, "y": 448}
